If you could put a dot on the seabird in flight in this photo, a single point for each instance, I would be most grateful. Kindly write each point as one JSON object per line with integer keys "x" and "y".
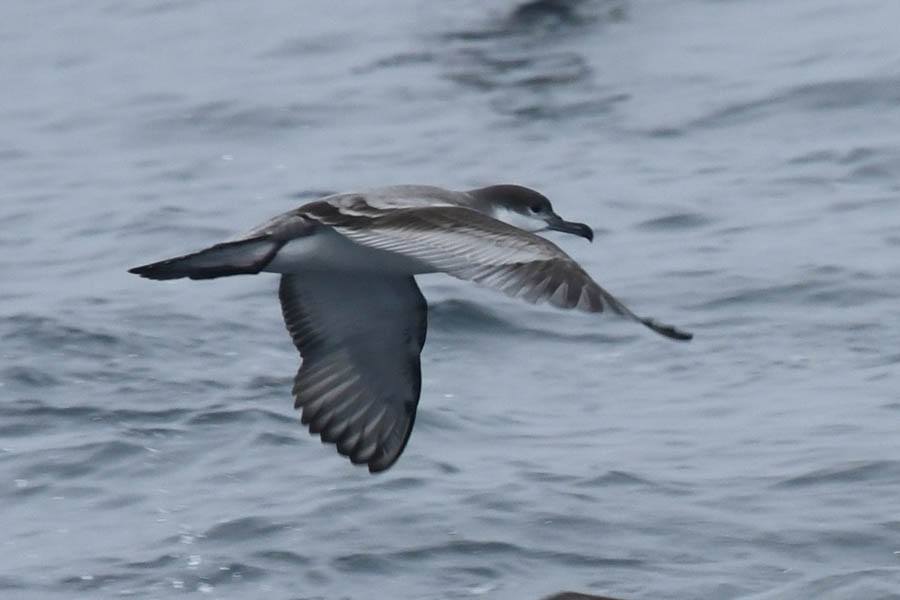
{"x": 351, "y": 304}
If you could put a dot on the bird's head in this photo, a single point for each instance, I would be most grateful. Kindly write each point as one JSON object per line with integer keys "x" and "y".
{"x": 526, "y": 209}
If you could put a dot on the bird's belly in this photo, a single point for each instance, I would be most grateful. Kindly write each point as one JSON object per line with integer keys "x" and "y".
{"x": 326, "y": 250}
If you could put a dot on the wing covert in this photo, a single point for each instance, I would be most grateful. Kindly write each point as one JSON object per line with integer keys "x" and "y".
{"x": 473, "y": 246}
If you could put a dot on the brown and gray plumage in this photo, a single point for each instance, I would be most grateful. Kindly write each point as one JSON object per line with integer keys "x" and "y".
{"x": 352, "y": 306}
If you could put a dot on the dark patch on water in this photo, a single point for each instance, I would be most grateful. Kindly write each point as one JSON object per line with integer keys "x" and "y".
{"x": 675, "y": 222}
{"x": 488, "y": 71}
{"x": 276, "y": 439}
{"x": 396, "y": 61}
{"x": 569, "y": 13}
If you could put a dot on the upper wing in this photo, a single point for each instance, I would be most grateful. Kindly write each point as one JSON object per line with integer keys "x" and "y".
{"x": 360, "y": 336}
{"x": 471, "y": 245}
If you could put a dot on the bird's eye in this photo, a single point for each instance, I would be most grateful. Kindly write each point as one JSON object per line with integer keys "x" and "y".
{"x": 535, "y": 209}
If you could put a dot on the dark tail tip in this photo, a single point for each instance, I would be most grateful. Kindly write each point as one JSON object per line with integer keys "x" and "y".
{"x": 670, "y": 331}
{"x": 159, "y": 270}
{"x": 242, "y": 257}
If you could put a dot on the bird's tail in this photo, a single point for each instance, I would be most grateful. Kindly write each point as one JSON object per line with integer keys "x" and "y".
{"x": 242, "y": 257}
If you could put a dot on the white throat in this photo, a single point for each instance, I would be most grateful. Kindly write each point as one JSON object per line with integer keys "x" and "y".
{"x": 517, "y": 219}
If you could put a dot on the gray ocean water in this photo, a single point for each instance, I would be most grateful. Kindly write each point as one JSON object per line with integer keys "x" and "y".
{"x": 739, "y": 160}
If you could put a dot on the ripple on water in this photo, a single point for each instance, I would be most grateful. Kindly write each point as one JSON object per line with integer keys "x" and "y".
{"x": 871, "y": 583}
{"x": 283, "y": 557}
{"x": 462, "y": 315}
{"x": 244, "y": 528}
{"x": 11, "y": 583}
{"x": 22, "y": 417}
{"x": 35, "y": 330}
{"x": 615, "y": 478}
{"x": 30, "y": 377}
{"x": 79, "y": 461}
{"x": 492, "y": 70}
{"x": 524, "y": 69}
{"x": 230, "y": 119}
{"x": 675, "y": 222}
{"x": 885, "y": 470}
{"x": 820, "y": 96}
{"x": 241, "y": 416}
{"x": 813, "y": 291}
{"x": 500, "y": 551}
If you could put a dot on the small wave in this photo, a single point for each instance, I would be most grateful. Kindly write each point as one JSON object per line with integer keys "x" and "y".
{"x": 874, "y": 204}
{"x": 850, "y": 473}
{"x": 821, "y": 96}
{"x": 29, "y": 377}
{"x": 244, "y": 415}
{"x": 92, "y": 582}
{"x": 71, "y": 415}
{"x": 677, "y": 221}
{"x": 234, "y": 572}
{"x": 871, "y": 583}
{"x": 284, "y": 557}
{"x": 394, "y": 61}
{"x": 263, "y": 384}
{"x": 402, "y": 484}
{"x": 497, "y": 550}
{"x": 275, "y": 439}
{"x": 857, "y": 164}
{"x": 557, "y": 109}
{"x": 162, "y": 560}
{"x": 489, "y": 70}
{"x": 75, "y": 462}
{"x": 614, "y": 478}
{"x": 231, "y": 119}
{"x": 39, "y": 331}
{"x": 814, "y": 291}
{"x": 364, "y": 562}
{"x": 577, "y": 596}
{"x": 519, "y": 62}
{"x": 244, "y": 528}
{"x": 461, "y": 314}
{"x": 461, "y": 318}
{"x": 11, "y": 583}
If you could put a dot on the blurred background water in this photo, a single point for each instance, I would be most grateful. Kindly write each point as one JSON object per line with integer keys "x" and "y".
{"x": 738, "y": 159}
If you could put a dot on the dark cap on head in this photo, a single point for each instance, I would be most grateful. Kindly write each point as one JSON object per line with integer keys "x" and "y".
{"x": 527, "y": 202}
{"x": 512, "y": 196}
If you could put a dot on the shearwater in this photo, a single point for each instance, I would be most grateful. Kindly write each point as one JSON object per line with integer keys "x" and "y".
{"x": 351, "y": 304}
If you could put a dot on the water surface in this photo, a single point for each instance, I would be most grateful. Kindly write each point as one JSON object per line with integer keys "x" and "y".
{"x": 738, "y": 160}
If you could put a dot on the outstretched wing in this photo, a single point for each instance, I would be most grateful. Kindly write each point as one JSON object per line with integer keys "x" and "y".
{"x": 473, "y": 246}
{"x": 360, "y": 336}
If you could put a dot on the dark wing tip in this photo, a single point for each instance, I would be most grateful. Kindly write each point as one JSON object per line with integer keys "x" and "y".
{"x": 670, "y": 331}
{"x": 381, "y": 466}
